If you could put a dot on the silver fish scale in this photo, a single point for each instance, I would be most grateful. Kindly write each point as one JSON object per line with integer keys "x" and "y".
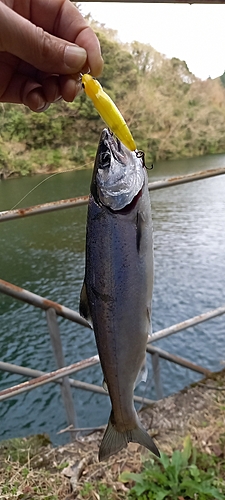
{"x": 119, "y": 282}
{"x": 118, "y": 294}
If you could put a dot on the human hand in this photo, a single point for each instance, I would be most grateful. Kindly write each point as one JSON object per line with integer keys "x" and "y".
{"x": 44, "y": 46}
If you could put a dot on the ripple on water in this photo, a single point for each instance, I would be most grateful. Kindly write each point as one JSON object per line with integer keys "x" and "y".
{"x": 45, "y": 254}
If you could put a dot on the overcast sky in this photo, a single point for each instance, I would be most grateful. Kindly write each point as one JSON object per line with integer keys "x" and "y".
{"x": 194, "y": 33}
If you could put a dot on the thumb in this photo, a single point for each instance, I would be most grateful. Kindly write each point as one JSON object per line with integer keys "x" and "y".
{"x": 32, "y": 44}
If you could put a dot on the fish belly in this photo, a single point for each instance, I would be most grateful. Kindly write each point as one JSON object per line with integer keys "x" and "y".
{"x": 119, "y": 282}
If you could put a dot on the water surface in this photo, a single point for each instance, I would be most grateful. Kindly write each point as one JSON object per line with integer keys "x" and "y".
{"x": 45, "y": 254}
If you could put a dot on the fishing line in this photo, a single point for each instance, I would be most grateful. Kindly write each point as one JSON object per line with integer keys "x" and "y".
{"x": 139, "y": 154}
{"x": 49, "y": 177}
{"x": 33, "y": 189}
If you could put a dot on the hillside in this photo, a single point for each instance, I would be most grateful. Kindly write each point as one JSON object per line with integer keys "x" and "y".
{"x": 171, "y": 114}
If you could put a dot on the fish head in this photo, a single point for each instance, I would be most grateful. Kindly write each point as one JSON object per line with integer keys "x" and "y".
{"x": 119, "y": 174}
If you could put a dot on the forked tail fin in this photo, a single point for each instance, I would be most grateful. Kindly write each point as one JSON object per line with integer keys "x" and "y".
{"x": 114, "y": 441}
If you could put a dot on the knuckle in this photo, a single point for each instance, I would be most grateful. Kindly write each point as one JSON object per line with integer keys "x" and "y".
{"x": 49, "y": 49}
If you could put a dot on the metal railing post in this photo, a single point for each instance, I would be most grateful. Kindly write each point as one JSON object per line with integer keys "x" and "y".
{"x": 53, "y": 309}
{"x": 60, "y": 362}
{"x": 178, "y": 360}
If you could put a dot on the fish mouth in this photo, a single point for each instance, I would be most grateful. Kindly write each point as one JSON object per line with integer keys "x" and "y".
{"x": 119, "y": 173}
{"x": 111, "y": 147}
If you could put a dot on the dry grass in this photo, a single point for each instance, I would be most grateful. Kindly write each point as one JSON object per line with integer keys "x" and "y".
{"x": 24, "y": 482}
{"x": 29, "y": 472}
{"x": 26, "y": 472}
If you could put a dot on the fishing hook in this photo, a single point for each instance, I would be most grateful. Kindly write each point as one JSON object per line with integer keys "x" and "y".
{"x": 140, "y": 154}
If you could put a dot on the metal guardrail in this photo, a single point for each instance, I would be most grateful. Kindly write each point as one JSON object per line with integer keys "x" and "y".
{"x": 53, "y": 309}
{"x": 166, "y": 1}
{"x": 40, "y": 378}
{"x": 83, "y": 200}
{"x": 41, "y": 302}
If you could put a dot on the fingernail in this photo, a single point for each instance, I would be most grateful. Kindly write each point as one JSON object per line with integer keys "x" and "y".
{"x": 75, "y": 57}
{"x": 43, "y": 107}
{"x": 58, "y": 99}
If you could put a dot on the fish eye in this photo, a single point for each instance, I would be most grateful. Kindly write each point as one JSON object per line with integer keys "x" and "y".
{"x": 104, "y": 159}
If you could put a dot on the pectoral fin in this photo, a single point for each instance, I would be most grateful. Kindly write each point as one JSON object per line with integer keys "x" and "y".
{"x": 84, "y": 305}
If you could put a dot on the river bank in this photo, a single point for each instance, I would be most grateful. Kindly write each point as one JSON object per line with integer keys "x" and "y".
{"x": 39, "y": 471}
{"x": 18, "y": 162}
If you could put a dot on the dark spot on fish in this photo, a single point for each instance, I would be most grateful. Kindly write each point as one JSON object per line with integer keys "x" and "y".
{"x": 83, "y": 85}
{"x": 103, "y": 296}
{"x": 101, "y": 214}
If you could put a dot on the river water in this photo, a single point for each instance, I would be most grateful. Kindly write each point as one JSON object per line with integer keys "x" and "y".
{"x": 45, "y": 254}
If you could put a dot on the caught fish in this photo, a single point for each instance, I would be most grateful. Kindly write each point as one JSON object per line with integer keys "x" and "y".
{"x": 117, "y": 290}
{"x": 108, "y": 111}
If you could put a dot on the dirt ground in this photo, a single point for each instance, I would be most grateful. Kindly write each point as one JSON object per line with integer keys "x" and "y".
{"x": 198, "y": 411}
{"x": 31, "y": 471}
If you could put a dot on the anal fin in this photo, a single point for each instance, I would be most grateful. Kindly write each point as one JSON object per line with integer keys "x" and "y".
{"x": 143, "y": 373}
{"x": 104, "y": 385}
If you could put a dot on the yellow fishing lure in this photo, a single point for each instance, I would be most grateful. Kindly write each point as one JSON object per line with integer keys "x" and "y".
{"x": 108, "y": 111}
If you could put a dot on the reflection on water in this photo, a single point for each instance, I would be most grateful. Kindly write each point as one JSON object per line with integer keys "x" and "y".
{"x": 45, "y": 254}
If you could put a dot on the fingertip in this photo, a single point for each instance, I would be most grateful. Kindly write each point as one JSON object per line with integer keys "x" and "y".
{"x": 51, "y": 88}
{"x": 95, "y": 61}
{"x": 42, "y": 108}
{"x": 35, "y": 100}
{"x": 70, "y": 87}
{"x": 96, "y": 68}
{"x": 90, "y": 42}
